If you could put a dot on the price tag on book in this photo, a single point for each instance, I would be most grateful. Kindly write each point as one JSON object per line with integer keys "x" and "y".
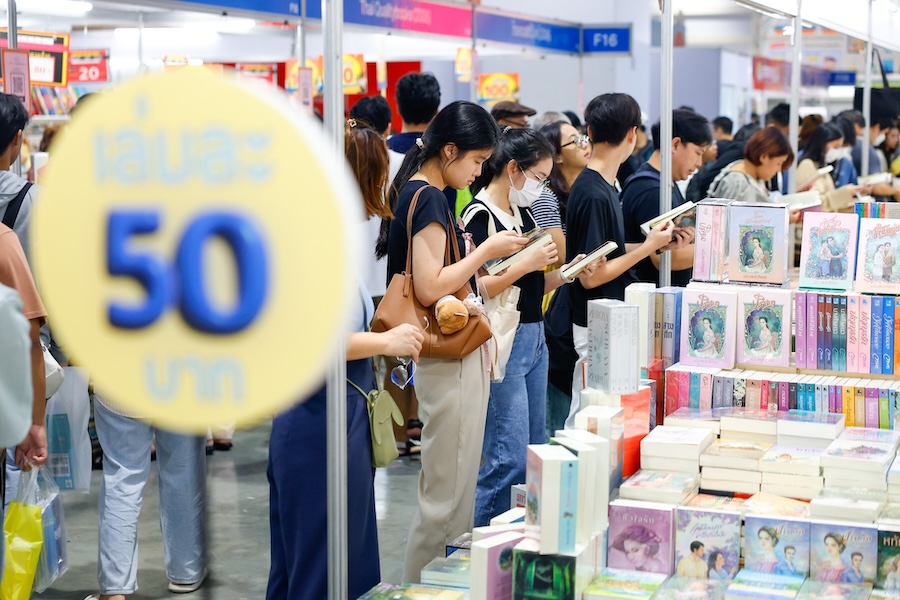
{"x": 195, "y": 250}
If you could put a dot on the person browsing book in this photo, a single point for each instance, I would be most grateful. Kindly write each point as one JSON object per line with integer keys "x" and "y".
{"x": 297, "y": 456}
{"x": 594, "y": 216}
{"x": 691, "y": 137}
{"x": 824, "y": 148}
{"x": 452, "y": 393}
{"x": 766, "y": 154}
{"x": 510, "y": 182}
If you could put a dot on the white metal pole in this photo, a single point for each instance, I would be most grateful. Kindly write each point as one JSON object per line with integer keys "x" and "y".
{"x": 796, "y": 81}
{"x": 474, "y": 67}
{"x": 336, "y": 401}
{"x": 12, "y": 38}
{"x": 664, "y": 144}
{"x": 867, "y": 95}
{"x": 301, "y": 35}
{"x": 141, "y": 66}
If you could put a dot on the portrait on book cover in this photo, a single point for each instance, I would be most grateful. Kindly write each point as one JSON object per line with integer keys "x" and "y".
{"x": 888, "y": 577}
{"x": 841, "y": 554}
{"x": 640, "y": 539}
{"x": 707, "y": 331}
{"x": 879, "y": 246}
{"x": 828, "y": 256}
{"x": 756, "y": 249}
{"x": 776, "y": 545}
{"x": 762, "y": 330}
{"x": 707, "y": 544}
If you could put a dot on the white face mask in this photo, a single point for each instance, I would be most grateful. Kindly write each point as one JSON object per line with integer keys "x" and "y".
{"x": 846, "y": 152}
{"x": 879, "y": 140}
{"x": 832, "y": 155}
{"x": 525, "y": 197}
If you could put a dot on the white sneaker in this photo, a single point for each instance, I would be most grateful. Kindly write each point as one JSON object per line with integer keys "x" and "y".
{"x": 187, "y": 588}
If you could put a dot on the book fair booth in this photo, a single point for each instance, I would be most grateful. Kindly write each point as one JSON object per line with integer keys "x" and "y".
{"x": 742, "y": 444}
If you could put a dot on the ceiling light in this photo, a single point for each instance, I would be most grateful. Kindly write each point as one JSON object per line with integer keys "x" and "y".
{"x": 63, "y": 8}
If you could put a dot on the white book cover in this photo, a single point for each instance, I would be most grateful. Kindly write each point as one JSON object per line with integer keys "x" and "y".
{"x": 791, "y": 491}
{"x": 492, "y": 565}
{"x": 659, "y": 486}
{"x": 726, "y": 474}
{"x": 858, "y": 454}
{"x": 792, "y": 461}
{"x": 613, "y": 367}
{"x": 676, "y": 442}
{"x": 808, "y": 423}
{"x": 643, "y": 295}
{"x": 866, "y": 434}
{"x": 735, "y": 455}
{"x": 894, "y": 472}
{"x": 680, "y": 465}
{"x": 751, "y": 421}
{"x": 724, "y": 485}
{"x": 807, "y": 481}
{"x": 551, "y": 481}
{"x": 588, "y": 500}
{"x": 609, "y": 424}
{"x": 481, "y": 533}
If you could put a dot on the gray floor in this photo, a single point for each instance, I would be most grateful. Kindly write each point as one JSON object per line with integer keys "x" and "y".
{"x": 239, "y": 528}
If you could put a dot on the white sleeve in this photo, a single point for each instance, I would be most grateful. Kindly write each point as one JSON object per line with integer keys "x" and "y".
{"x": 15, "y": 370}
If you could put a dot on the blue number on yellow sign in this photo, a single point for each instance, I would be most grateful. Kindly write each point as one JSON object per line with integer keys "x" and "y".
{"x": 183, "y": 282}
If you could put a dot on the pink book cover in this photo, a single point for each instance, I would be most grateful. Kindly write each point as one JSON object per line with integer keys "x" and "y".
{"x": 764, "y": 327}
{"x": 764, "y": 394}
{"x": 641, "y": 537}
{"x": 800, "y": 333}
{"x": 715, "y": 267}
{"x": 831, "y": 398}
{"x": 784, "y": 395}
{"x": 864, "y": 333}
{"x": 876, "y": 268}
{"x": 758, "y": 242}
{"x": 872, "y": 399}
{"x": 827, "y": 251}
{"x": 706, "y": 380}
{"x": 708, "y": 323}
{"x": 673, "y": 383}
{"x": 703, "y": 241}
{"x": 684, "y": 389}
{"x": 812, "y": 317}
{"x": 852, "y": 332}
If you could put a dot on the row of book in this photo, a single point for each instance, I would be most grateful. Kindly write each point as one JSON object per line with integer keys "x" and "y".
{"x": 846, "y": 332}
{"x": 54, "y": 101}
{"x": 877, "y": 210}
{"x": 863, "y": 402}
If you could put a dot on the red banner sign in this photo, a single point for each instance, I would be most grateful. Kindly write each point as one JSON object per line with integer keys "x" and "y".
{"x": 89, "y": 66}
{"x": 770, "y": 74}
{"x": 49, "y": 55}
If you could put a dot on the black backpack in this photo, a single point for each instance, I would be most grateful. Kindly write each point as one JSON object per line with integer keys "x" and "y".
{"x": 13, "y": 208}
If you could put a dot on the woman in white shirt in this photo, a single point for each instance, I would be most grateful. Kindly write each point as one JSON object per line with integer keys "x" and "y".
{"x": 766, "y": 154}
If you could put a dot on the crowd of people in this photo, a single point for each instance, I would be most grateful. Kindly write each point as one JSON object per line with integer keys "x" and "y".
{"x": 459, "y": 176}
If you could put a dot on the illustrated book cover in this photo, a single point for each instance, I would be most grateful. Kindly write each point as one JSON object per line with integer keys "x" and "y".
{"x": 879, "y": 244}
{"x": 641, "y": 536}
{"x": 828, "y": 251}
{"x": 708, "y": 328}
{"x": 707, "y": 543}
{"x": 775, "y": 544}
{"x": 758, "y": 243}
{"x": 843, "y": 552}
{"x": 764, "y": 327}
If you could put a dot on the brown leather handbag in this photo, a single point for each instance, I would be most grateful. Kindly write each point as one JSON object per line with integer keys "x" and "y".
{"x": 400, "y": 305}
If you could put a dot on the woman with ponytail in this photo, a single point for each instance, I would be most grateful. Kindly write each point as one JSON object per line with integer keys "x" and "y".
{"x": 452, "y": 393}
{"x": 511, "y": 181}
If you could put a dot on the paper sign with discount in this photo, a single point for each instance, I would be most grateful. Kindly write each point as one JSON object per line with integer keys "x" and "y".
{"x": 17, "y": 76}
{"x": 209, "y": 264}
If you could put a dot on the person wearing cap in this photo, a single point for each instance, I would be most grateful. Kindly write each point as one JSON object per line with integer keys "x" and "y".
{"x": 510, "y": 113}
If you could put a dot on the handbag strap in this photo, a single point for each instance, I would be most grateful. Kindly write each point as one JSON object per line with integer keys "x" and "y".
{"x": 884, "y": 78}
{"x": 450, "y": 251}
{"x": 358, "y": 389}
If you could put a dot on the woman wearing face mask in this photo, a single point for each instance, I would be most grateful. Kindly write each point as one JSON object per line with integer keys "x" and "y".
{"x": 824, "y": 148}
{"x": 510, "y": 183}
{"x": 887, "y": 150}
{"x": 767, "y": 152}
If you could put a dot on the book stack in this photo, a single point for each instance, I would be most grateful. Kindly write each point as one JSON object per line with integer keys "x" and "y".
{"x": 711, "y": 242}
{"x": 689, "y": 387}
{"x": 450, "y": 571}
{"x": 819, "y": 590}
{"x": 791, "y": 471}
{"x": 609, "y": 424}
{"x": 707, "y": 542}
{"x": 551, "y": 481}
{"x": 643, "y": 295}
{"x": 765, "y": 503}
{"x": 776, "y": 544}
{"x": 613, "y": 370}
{"x": 689, "y": 588}
{"x": 675, "y": 448}
{"x": 855, "y": 505}
{"x": 390, "y": 591}
{"x": 893, "y": 481}
{"x": 463, "y": 542}
{"x": 755, "y": 426}
{"x": 660, "y": 486}
{"x": 750, "y": 584}
{"x": 619, "y": 583}
{"x": 641, "y": 536}
{"x": 860, "y": 457}
{"x": 562, "y": 576}
{"x": 843, "y": 552}
{"x": 808, "y": 429}
{"x": 668, "y": 313}
{"x": 732, "y": 467}
{"x": 491, "y": 570}
{"x": 592, "y": 452}
{"x": 695, "y": 417}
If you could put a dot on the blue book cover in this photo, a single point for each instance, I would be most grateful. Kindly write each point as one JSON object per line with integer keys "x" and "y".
{"x": 568, "y": 506}
{"x": 694, "y": 394}
{"x": 877, "y": 336}
{"x": 842, "y": 332}
{"x": 60, "y": 452}
{"x": 776, "y": 544}
{"x": 677, "y": 350}
{"x": 829, "y": 334}
{"x": 843, "y": 552}
{"x": 887, "y": 323}
{"x": 811, "y": 395}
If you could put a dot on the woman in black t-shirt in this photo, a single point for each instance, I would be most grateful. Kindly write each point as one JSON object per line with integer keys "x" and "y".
{"x": 512, "y": 180}
{"x": 452, "y": 394}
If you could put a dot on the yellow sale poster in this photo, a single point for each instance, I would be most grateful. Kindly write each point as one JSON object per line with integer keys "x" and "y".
{"x": 496, "y": 87}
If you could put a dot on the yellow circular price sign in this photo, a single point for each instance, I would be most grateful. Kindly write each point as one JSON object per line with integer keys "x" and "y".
{"x": 195, "y": 250}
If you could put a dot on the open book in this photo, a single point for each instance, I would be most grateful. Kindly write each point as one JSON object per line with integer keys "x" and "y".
{"x": 672, "y": 215}
{"x": 875, "y": 179}
{"x": 577, "y": 267}
{"x": 802, "y": 200}
{"x": 538, "y": 239}
{"x": 823, "y": 171}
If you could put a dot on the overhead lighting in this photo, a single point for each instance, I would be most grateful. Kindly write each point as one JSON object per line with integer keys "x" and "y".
{"x": 63, "y": 8}
{"x": 224, "y": 25}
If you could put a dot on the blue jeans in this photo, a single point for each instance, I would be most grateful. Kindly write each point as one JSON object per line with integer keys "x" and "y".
{"x": 516, "y": 417}
{"x": 181, "y": 460}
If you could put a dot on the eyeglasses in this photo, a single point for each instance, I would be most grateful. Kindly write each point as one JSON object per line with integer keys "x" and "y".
{"x": 581, "y": 142}
{"x": 545, "y": 182}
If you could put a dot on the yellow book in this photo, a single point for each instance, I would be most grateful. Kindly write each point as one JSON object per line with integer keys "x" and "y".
{"x": 848, "y": 400}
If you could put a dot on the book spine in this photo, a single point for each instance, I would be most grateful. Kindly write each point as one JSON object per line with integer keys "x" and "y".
{"x": 718, "y": 381}
{"x": 800, "y": 329}
{"x": 896, "y": 333}
{"x": 838, "y": 400}
{"x": 848, "y": 402}
{"x": 812, "y": 307}
{"x": 658, "y": 324}
{"x": 764, "y": 395}
{"x": 706, "y": 383}
{"x": 864, "y": 355}
{"x": 831, "y": 398}
{"x": 877, "y": 335}
{"x": 784, "y": 395}
{"x": 672, "y": 383}
{"x": 852, "y": 332}
{"x": 668, "y": 332}
{"x": 703, "y": 242}
{"x": 820, "y": 337}
{"x": 676, "y": 347}
{"x": 884, "y": 410}
{"x": 859, "y": 411}
{"x": 792, "y": 394}
{"x": 842, "y": 333}
{"x": 694, "y": 394}
{"x": 872, "y": 409}
{"x": 752, "y": 401}
{"x": 740, "y": 390}
{"x": 821, "y": 402}
{"x": 892, "y": 407}
{"x": 568, "y": 507}
{"x": 829, "y": 334}
{"x": 684, "y": 390}
{"x": 715, "y": 264}
{"x": 887, "y": 325}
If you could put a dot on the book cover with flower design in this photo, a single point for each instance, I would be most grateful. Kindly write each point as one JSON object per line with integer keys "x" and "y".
{"x": 764, "y": 327}
{"x": 708, "y": 328}
{"x": 879, "y": 245}
{"x": 707, "y": 543}
{"x": 828, "y": 251}
{"x": 758, "y": 243}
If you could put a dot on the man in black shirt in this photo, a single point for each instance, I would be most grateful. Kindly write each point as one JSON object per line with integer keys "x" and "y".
{"x": 691, "y": 136}
{"x": 594, "y": 216}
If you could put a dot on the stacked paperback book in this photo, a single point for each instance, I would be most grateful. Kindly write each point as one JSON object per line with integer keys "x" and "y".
{"x": 860, "y": 458}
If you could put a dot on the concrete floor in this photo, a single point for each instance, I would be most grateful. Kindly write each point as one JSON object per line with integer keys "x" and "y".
{"x": 238, "y": 528}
